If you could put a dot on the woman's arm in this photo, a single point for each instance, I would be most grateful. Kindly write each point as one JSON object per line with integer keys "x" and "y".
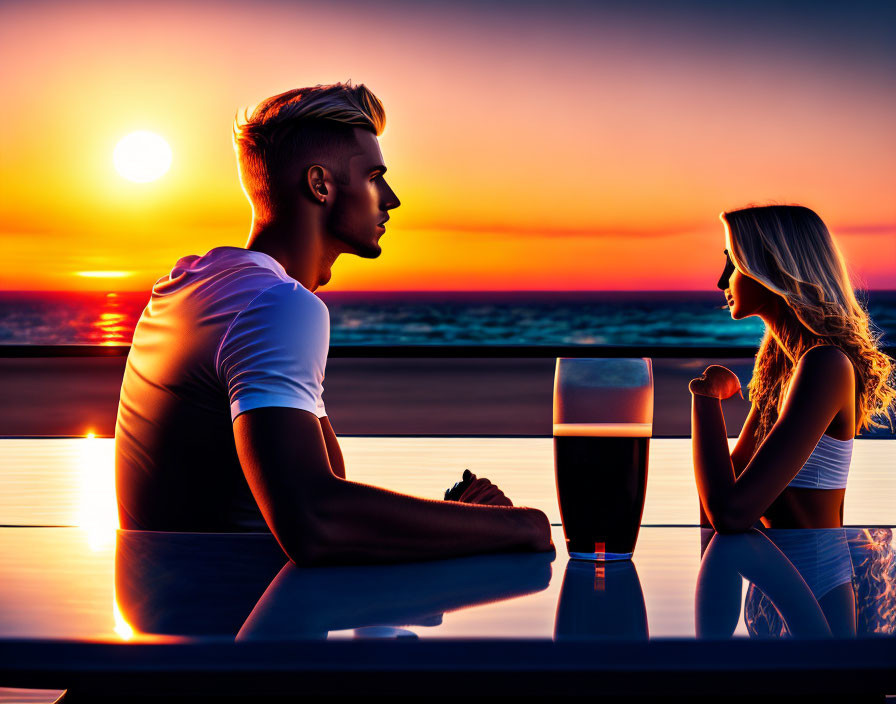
{"x": 822, "y": 385}
{"x": 741, "y": 454}
{"x": 746, "y": 442}
{"x": 713, "y": 468}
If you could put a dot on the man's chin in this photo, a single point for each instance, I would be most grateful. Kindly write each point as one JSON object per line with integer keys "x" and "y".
{"x": 369, "y": 251}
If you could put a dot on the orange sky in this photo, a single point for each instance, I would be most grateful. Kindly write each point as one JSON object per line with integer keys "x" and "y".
{"x": 542, "y": 146}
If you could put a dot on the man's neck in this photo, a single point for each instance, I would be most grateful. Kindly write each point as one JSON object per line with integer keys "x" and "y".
{"x": 304, "y": 257}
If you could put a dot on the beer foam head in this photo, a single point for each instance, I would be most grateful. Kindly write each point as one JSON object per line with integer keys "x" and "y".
{"x": 604, "y": 392}
{"x": 603, "y": 430}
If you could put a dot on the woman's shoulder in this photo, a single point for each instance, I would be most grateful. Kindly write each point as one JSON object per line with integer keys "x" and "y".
{"x": 827, "y": 362}
{"x": 829, "y": 355}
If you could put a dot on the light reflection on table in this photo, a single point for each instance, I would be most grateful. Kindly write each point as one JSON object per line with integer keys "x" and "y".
{"x": 71, "y": 481}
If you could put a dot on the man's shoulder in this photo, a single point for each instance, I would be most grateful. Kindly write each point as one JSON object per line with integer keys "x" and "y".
{"x": 285, "y": 325}
{"x": 222, "y": 272}
{"x": 282, "y": 313}
{"x": 288, "y": 298}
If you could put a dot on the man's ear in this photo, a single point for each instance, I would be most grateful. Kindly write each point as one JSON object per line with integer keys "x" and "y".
{"x": 317, "y": 176}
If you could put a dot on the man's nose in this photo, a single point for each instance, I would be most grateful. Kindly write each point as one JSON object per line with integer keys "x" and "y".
{"x": 390, "y": 200}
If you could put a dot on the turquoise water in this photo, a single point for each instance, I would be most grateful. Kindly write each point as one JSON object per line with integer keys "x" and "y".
{"x": 678, "y": 318}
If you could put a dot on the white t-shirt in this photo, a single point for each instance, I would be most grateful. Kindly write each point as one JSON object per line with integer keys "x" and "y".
{"x": 222, "y": 334}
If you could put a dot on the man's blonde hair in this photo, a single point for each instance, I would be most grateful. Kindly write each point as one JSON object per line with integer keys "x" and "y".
{"x": 298, "y": 128}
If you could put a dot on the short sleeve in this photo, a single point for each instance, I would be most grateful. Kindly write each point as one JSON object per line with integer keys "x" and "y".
{"x": 275, "y": 352}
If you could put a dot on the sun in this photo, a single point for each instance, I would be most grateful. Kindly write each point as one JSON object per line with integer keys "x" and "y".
{"x": 142, "y": 157}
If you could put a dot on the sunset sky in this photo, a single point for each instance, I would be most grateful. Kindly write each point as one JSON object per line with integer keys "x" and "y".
{"x": 534, "y": 145}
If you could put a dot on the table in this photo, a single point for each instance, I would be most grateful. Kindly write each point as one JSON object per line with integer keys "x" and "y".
{"x": 100, "y": 611}
{"x": 228, "y": 612}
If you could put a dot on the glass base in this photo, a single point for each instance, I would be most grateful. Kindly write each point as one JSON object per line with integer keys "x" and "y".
{"x": 600, "y": 556}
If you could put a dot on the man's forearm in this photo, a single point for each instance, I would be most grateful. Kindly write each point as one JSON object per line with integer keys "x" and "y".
{"x": 348, "y": 522}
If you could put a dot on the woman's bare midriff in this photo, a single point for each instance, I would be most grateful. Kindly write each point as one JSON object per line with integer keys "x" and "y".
{"x": 806, "y": 508}
{"x": 798, "y": 507}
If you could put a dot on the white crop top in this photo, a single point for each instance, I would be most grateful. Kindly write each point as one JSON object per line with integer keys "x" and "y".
{"x": 827, "y": 466}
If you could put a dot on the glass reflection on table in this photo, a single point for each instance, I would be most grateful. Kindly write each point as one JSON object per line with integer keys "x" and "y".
{"x": 601, "y": 600}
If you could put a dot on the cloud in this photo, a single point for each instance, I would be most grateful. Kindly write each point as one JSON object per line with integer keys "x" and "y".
{"x": 514, "y": 230}
{"x": 881, "y": 228}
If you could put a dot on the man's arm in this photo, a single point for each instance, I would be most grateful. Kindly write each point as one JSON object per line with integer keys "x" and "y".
{"x": 334, "y": 452}
{"x": 320, "y": 518}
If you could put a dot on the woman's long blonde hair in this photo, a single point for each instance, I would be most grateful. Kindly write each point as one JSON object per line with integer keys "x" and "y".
{"x": 788, "y": 249}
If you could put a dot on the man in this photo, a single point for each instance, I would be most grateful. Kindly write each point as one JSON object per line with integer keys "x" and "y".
{"x": 221, "y": 424}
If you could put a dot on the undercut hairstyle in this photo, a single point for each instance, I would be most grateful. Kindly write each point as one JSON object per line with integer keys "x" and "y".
{"x": 287, "y": 133}
{"x": 789, "y": 250}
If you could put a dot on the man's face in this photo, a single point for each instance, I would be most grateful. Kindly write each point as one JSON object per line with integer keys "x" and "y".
{"x": 360, "y": 207}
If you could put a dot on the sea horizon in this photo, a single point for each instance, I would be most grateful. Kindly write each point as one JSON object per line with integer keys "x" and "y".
{"x": 469, "y": 318}
{"x": 715, "y": 291}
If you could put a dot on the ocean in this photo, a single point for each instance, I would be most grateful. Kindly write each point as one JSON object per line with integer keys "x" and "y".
{"x": 671, "y": 318}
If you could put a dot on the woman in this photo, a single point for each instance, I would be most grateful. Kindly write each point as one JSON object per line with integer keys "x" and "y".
{"x": 819, "y": 378}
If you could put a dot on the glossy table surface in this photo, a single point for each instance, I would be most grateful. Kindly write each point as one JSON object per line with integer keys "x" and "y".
{"x": 156, "y": 608}
{"x": 149, "y": 587}
{"x": 86, "y": 601}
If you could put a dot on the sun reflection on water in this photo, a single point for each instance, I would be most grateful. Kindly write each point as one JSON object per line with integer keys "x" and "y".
{"x": 110, "y": 327}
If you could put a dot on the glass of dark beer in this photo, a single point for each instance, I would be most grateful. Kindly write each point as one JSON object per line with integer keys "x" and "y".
{"x": 603, "y": 419}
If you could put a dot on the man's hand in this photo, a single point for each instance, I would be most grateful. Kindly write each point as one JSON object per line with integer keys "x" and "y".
{"x": 716, "y": 382}
{"x": 482, "y": 491}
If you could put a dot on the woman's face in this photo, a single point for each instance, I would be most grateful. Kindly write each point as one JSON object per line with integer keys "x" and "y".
{"x": 745, "y": 295}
